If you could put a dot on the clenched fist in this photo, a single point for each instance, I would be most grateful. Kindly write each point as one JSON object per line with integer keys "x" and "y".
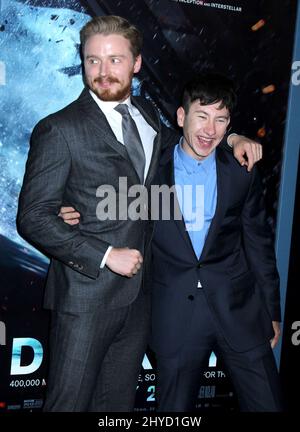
{"x": 124, "y": 261}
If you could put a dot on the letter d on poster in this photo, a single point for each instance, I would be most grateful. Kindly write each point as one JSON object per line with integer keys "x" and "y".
{"x": 18, "y": 344}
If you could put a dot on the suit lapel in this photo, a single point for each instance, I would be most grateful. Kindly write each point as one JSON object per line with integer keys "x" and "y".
{"x": 223, "y": 191}
{"x": 100, "y": 124}
{"x": 143, "y": 107}
{"x": 153, "y": 120}
{"x": 154, "y": 161}
{"x": 167, "y": 177}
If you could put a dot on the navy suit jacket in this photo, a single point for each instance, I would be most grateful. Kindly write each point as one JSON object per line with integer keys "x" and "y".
{"x": 237, "y": 267}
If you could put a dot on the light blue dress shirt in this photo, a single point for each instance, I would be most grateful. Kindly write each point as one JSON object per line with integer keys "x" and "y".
{"x": 196, "y": 188}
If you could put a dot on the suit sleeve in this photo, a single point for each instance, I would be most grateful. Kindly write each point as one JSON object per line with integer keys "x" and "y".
{"x": 48, "y": 167}
{"x": 258, "y": 243}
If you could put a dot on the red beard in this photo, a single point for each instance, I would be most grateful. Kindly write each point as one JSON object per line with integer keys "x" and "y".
{"x": 111, "y": 95}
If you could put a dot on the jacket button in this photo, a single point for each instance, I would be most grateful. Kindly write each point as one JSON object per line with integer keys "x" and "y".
{"x": 200, "y": 265}
{"x": 191, "y": 297}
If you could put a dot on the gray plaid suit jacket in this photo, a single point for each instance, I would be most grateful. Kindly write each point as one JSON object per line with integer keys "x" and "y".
{"x": 72, "y": 153}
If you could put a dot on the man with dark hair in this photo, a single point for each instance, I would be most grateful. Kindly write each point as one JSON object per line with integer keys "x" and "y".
{"x": 100, "y": 308}
{"x": 215, "y": 285}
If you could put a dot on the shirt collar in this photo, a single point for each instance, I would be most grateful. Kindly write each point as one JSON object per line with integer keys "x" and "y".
{"x": 192, "y": 165}
{"x": 108, "y": 106}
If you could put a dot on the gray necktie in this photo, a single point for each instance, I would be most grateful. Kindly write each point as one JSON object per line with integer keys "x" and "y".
{"x": 132, "y": 141}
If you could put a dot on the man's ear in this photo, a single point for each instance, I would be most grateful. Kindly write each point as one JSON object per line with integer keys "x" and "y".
{"x": 138, "y": 64}
{"x": 180, "y": 116}
{"x": 228, "y": 127}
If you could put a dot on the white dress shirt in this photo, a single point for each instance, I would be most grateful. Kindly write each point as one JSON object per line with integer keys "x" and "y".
{"x": 114, "y": 118}
{"x": 147, "y": 134}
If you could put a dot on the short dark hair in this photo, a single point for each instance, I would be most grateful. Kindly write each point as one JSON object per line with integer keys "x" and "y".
{"x": 113, "y": 24}
{"x": 210, "y": 88}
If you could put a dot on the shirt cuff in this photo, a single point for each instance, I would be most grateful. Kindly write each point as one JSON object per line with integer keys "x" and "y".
{"x": 103, "y": 262}
{"x": 230, "y": 135}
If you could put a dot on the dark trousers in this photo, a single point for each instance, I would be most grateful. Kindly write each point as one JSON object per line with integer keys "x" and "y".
{"x": 253, "y": 373}
{"x": 96, "y": 357}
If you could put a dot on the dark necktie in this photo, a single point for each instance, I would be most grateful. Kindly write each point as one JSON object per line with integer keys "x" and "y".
{"x": 132, "y": 141}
